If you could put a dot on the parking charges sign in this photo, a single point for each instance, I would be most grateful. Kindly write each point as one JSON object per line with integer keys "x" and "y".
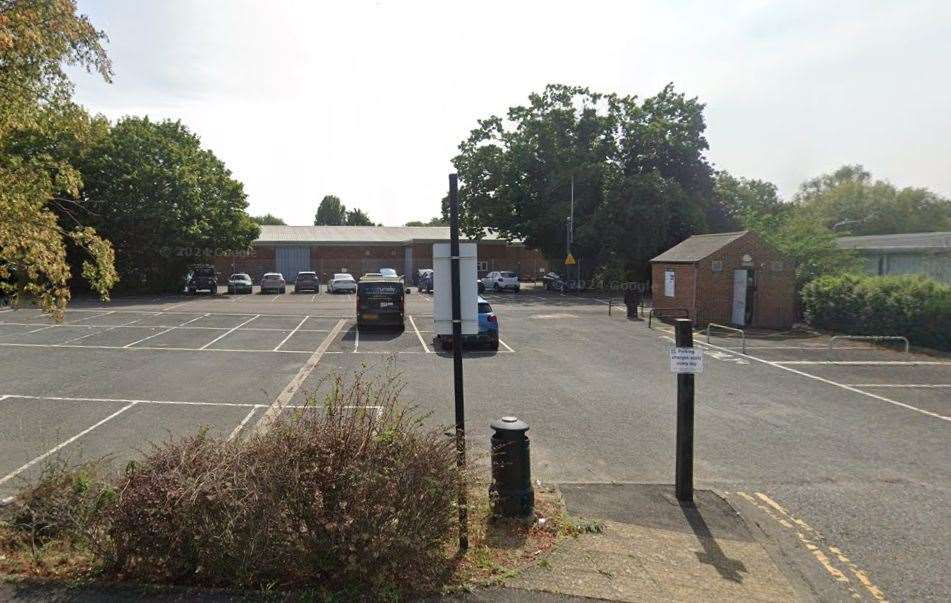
{"x": 685, "y": 360}
{"x": 442, "y": 289}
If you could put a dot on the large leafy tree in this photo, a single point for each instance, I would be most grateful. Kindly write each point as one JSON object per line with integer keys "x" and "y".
{"x": 39, "y": 129}
{"x": 268, "y": 220}
{"x": 330, "y": 212}
{"x": 357, "y": 217}
{"x": 163, "y": 200}
{"x": 797, "y": 234}
{"x": 435, "y": 221}
{"x": 849, "y": 201}
{"x": 748, "y": 203}
{"x": 641, "y": 181}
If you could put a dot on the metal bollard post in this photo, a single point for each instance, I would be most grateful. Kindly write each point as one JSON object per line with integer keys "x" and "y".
{"x": 511, "y": 491}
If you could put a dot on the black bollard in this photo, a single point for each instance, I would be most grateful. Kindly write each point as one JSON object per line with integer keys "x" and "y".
{"x": 511, "y": 491}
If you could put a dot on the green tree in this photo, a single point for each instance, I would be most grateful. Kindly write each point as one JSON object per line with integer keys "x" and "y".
{"x": 435, "y": 221}
{"x": 163, "y": 201}
{"x": 268, "y": 220}
{"x": 810, "y": 245}
{"x": 749, "y": 203}
{"x": 849, "y": 201}
{"x": 330, "y": 212}
{"x": 357, "y": 217}
{"x": 641, "y": 182}
{"x": 39, "y": 126}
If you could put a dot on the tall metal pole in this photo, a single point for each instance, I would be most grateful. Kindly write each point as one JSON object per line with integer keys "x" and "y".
{"x": 457, "y": 356}
{"x": 683, "y": 473}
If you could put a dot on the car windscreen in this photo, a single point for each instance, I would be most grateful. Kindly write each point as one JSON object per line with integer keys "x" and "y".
{"x": 240, "y": 277}
{"x": 508, "y": 275}
{"x": 204, "y": 272}
{"x": 393, "y": 289}
{"x": 343, "y": 277}
{"x": 484, "y": 308}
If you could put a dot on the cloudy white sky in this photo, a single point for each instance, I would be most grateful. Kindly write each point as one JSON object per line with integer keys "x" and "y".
{"x": 369, "y": 100}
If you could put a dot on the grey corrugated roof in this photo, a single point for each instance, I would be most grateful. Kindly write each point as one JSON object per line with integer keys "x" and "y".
{"x": 698, "y": 247}
{"x": 898, "y": 242}
{"x": 355, "y": 234}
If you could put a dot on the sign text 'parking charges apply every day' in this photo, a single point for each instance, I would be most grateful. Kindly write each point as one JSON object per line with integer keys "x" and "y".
{"x": 685, "y": 360}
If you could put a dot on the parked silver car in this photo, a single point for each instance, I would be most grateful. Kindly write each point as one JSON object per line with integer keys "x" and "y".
{"x": 273, "y": 281}
{"x": 342, "y": 283}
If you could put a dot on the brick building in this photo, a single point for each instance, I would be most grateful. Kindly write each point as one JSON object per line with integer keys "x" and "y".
{"x": 728, "y": 278}
{"x": 362, "y": 249}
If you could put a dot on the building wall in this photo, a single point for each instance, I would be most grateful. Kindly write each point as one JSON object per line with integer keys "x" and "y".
{"x": 360, "y": 259}
{"x": 936, "y": 265}
{"x": 684, "y": 286}
{"x": 774, "y": 300}
{"x": 708, "y": 295}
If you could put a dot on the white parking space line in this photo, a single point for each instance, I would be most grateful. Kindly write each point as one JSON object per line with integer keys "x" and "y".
{"x": 72, "y": 322}
{"x": 63, "y": 444}
{"x": 291, "y": 388}
{"x": 129, "y": 345}
{"x": 866, "y": 362}
{"x": 289, "y": 335}
{"x": 241, "y": 425}
{"x": 277, "y": 297}
{"x": 421, "y": 342}
{"x": 902, "y": 385}
{"x": 128, "y": 400}
{"x": 506, "y": 346}
{"x": 40, "y": 329}
{"x": 96, "y": 332}
{"x": 828, "y": 381}
{"x": 146, "y": 348}
{"x": 228, "y": 332}
{"x": 262, "y": 314}
{"x": 313, "y": 297}
{"x": 356, "y": 340}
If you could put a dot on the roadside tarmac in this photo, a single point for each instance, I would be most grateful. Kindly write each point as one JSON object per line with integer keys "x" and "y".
{"x": 641, "y": 544}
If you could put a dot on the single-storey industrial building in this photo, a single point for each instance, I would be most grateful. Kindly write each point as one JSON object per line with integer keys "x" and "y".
{"x": 362, "y": 249}
{"x": 728, "y": 278}
{"x": 927, "y": 253}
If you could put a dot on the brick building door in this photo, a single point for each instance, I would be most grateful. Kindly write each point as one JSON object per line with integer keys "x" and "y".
{"x": 291, "y": 260}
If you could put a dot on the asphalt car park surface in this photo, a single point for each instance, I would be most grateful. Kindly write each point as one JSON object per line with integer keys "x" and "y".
{"x": 850, "y": 442}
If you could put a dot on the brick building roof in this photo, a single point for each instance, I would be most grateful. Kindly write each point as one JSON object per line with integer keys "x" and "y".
{"x": 698, "y": 247}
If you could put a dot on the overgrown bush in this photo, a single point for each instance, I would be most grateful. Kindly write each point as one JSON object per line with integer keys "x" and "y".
{"x": 65, "y": 504}
{"x": 355, "y": 495}
{"x": 914, "y": 306}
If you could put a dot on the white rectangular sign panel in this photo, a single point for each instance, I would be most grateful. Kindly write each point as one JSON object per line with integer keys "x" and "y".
{"x": 685, "y": 360}
{"x": 468, "y": 288}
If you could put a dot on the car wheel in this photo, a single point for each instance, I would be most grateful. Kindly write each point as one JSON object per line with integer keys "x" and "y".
{"x": 494, "y": 346}
{"x": 283, "y": 289}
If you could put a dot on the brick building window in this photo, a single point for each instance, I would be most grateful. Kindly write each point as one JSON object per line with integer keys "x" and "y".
{"x": 716, "y": 265}
{"x": 669, "y": 282}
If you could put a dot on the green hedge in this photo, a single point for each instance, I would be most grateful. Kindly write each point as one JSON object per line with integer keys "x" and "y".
{"x": 914, "y": 306}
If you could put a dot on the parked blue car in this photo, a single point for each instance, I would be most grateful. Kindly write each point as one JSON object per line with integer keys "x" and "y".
{"x": 488, "y": 331}
{"x": 488, "y": 326}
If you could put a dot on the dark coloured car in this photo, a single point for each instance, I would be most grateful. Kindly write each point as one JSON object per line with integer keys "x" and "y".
{"x": 240, "y": 282}
{"x": 307, "y": 281}
{"x": 380, "y": 302}
{"x": 201, "y": 278}
{"x": 425, "y": 283}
